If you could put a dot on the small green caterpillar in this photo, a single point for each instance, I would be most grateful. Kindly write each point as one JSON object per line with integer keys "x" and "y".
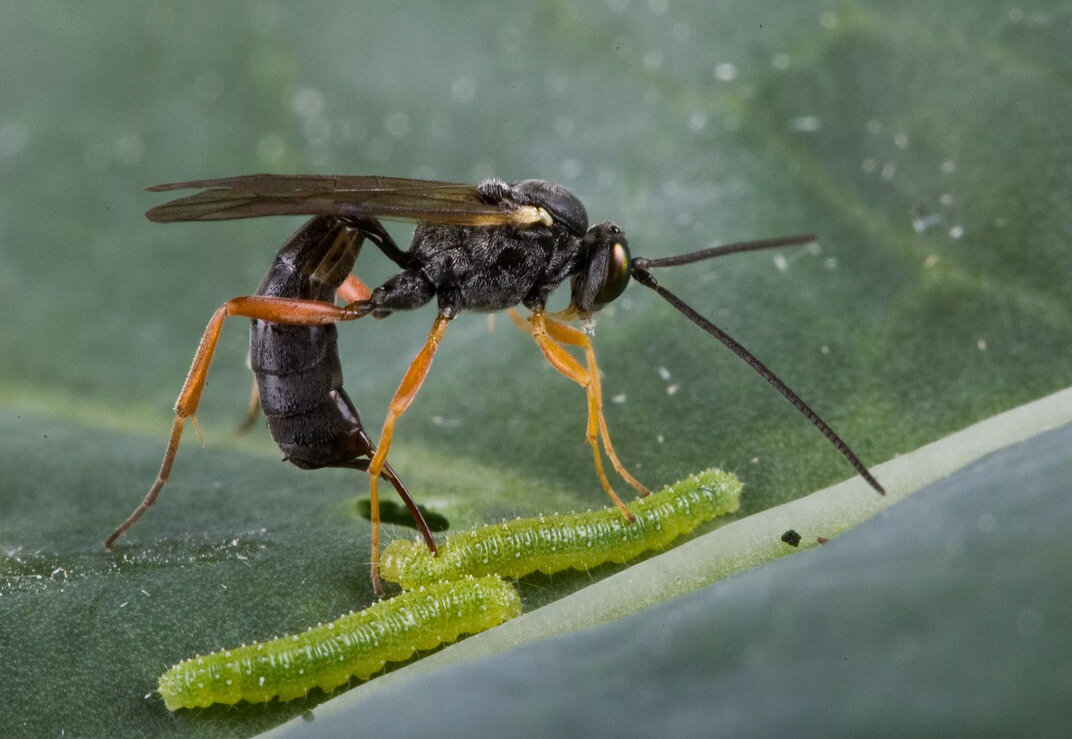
{"x": 357, "y": 644}
{"x": 580, "y": 540}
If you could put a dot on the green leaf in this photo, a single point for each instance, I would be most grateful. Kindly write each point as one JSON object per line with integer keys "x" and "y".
{"x": 687, "y": 123}
{"x": 923, "y": 617}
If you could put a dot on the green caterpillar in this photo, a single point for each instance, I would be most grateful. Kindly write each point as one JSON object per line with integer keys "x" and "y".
{"x": 580, "y": 540}
{"x": 356, "y": 645}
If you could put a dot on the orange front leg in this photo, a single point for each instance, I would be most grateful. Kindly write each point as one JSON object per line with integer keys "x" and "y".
{"x": 265, "y": 308}
{"x": 569, "y": 335}
{"x": 564, "y": 362}
{"x": 407, "y": 391}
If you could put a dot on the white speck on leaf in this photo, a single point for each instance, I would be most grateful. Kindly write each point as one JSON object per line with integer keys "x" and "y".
{"x": 463, "y": 89}
{"x": 805, "y": 124}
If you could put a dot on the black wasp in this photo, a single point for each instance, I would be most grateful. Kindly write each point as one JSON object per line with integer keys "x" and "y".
{"x": 483, "y": 248}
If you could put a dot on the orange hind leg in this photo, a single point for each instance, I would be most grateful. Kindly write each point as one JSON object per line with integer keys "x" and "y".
{"x": 352, "y": 290}
{"x": 265, "y": 308}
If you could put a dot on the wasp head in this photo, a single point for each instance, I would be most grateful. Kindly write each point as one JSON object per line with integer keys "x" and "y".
{"x": 604, "y": 271}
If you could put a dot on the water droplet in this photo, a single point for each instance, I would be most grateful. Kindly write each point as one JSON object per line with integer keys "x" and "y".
{"x": 725, "y": 72}
{"x": 571, "y": 168}
{"x": 308, "y": 102}
{"x": 557, "y": 85}
{"x": 396, "y": 124}
{"x": 129, "y": 149}
{"x": 805, "y": 124}
{"x": 463, "y": 89}
{"x": 922, "y": 223}
{"x": 271, "y": 148}
{"x": 653, "y": 59}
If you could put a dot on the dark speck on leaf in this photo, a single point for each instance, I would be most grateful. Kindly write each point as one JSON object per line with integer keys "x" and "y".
{"x": 791, "y": 538}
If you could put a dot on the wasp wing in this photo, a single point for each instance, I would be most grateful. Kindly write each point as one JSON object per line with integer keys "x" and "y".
{"x": 393, "y": 198}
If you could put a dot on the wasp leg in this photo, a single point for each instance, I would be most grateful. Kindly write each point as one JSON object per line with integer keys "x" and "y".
{"x": 389, "y": 475}
{"x": 569, "y": 335}
{"x": 277, "y": 310}
{"x": 407, "y": 390}
{"x": 253, "y": 412}
{"x": 353, "y": 290}
{"x": 564, "y": 362}
{"x": 372, "y": 229}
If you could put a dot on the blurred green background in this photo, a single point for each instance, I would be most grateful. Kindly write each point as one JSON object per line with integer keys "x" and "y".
{"x": 926, "y": 143}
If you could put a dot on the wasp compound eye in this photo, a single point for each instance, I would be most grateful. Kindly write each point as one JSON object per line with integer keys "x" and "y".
{"x": 615, "y": 275}
{"x": 606, "y": 268}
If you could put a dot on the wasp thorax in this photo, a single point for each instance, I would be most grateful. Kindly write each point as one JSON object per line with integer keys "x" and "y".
{"x": 605, "y": 271}
{"x": 562, "y": 205}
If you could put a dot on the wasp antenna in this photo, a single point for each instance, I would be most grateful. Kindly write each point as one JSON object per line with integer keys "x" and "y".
{"x": 721, "y": 251}
{"x": 645, "y": 278}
